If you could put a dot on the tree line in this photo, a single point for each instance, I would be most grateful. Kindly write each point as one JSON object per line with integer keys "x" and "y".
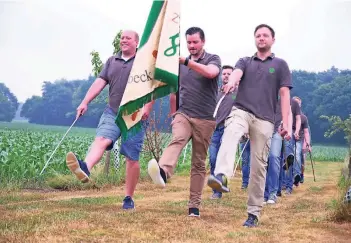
{"x": 322, "y": 93}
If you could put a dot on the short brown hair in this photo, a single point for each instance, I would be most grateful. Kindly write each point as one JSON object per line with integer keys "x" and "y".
{"x": 265, "y": 26}
{"x": 296, "y": 98}
{"x": 227, "y": 67}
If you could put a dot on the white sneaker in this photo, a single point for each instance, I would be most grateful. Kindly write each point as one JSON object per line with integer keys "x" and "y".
{"x": 270, "y": 201}
{"x": 154, "y": 172}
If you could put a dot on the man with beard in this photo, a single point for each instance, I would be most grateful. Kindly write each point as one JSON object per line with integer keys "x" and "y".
{"x": 115, "y": 73}
{"x": 198, "y": 77}
{"x": 224, "y": 104}
{"x": 263, "y": 77}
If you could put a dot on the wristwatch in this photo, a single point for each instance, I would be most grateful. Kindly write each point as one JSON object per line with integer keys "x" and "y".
{"x": 186, "y": 62}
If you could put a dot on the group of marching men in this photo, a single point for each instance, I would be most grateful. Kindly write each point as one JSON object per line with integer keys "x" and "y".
{"x": 252, "y": 107}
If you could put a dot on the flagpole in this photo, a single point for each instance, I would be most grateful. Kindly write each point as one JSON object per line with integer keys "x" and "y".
{"x": 177, "y": 94}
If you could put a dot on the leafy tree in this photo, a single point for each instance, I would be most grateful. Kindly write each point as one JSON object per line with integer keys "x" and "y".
{"x": 337, "y": 125}
{"x": 8, "y": 104}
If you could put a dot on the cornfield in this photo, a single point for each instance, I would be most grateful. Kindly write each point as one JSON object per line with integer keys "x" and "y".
{"x": 23, "y": 153}
{"x": 25, "y": 149}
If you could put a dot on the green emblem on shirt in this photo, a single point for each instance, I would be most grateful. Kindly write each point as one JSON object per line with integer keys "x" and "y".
{"x": 271, "y": 70}
{"x": 233, "y": 96}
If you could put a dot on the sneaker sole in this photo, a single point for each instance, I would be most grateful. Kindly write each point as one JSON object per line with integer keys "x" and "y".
{"x": 251, "y": 226}
{"x": 73, "y": 165}
{"x": 270, "y": 202}
{"x": 194, "y": 215}
{"x": 129, "y": 209}
{"x": 215, "y": 184}
{"x": 154, "y": 172}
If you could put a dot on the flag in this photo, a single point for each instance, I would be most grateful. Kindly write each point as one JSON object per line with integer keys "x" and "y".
{"x": 155, "y": 69}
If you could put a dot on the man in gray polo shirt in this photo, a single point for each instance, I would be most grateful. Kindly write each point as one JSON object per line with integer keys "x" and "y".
{"x": 303, "y": 145}
{"x": 115, "y": 73}
{"x": 262, "y": 77}
{"x": 224, "y": 108}
{"x": 199, "y": 73}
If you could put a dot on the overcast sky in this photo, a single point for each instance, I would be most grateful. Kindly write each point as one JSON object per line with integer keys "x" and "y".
{"x": 43, "y": 40}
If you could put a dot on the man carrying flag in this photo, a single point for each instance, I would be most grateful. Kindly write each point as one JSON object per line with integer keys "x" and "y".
{"x": 115, "y": 73}
{"x": 199, "y": 73}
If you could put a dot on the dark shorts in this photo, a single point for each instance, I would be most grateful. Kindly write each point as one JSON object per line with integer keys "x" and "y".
{"x": 107, "y": 128}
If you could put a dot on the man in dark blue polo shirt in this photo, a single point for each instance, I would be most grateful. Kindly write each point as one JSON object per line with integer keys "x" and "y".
{"x": 115, "y": 73}
{"x": 262, "y": 78}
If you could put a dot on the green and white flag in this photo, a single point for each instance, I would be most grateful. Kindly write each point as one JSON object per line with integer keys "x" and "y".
{"x": 156, "y": 66}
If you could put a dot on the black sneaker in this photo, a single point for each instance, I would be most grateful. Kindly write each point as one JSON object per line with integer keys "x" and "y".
{"x": 194, "y": 212}
{"x": 288, "y": 162}
{"x": 156, "y": 173}
{"x": 128, "y": 203}
{"x": 297, "y": 180}
{"x": 279, "y": 194}
{"x": 252, "y": 221}
{"x": 77, "y": 167}
{"x": 218, "y": 183}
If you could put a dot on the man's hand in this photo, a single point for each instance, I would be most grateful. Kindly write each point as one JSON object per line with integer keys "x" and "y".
{"x": 287, "y": 136}
{"x": 147, "y": 109}
{"x": 181, "y": 60}
{"x": 309, "y": 148}
{"x": 229, "y": 87}
{"x": 283, "y": 130}
{"x": 82, "y": 108}
{"x": 296, "y": 135}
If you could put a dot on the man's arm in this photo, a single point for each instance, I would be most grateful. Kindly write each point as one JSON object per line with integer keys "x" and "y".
{"x": 298, "y": 125}
{"x": 290, "y": 123}
{"x": 209, "y": 71}
{"x": 148, "y": 108}
{"x": 306, "y": 133}
{"x": 233, "y": 80}
{"x": 94, "y": 90}
{"x": 173, "y": 103}
{"x": 284, "y": 93}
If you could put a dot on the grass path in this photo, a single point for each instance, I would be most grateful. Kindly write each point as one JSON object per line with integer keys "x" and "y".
{"x": 161, "y": 215}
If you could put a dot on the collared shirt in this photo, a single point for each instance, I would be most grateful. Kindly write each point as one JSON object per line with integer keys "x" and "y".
{"x": 197, "y": 93}
{"x": 225, "y": 107}
{"x": 116, "y": 73}
{"x": 260, "y": 84}
{"x": 295, "y": 110}
{"x": 304, "y": 125}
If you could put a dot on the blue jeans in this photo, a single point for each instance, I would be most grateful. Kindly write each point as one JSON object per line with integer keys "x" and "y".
{"x": 274, "y": 166}
{"x": 245, "y": 163}
{"x": 282, "y": 177}
{"x": 298, "y": 160}
{"x": 216, "y": 142}
{"x": 107, "y": 128}
{"x": 303, "y": 161}
{"x": 290, "y": 149}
